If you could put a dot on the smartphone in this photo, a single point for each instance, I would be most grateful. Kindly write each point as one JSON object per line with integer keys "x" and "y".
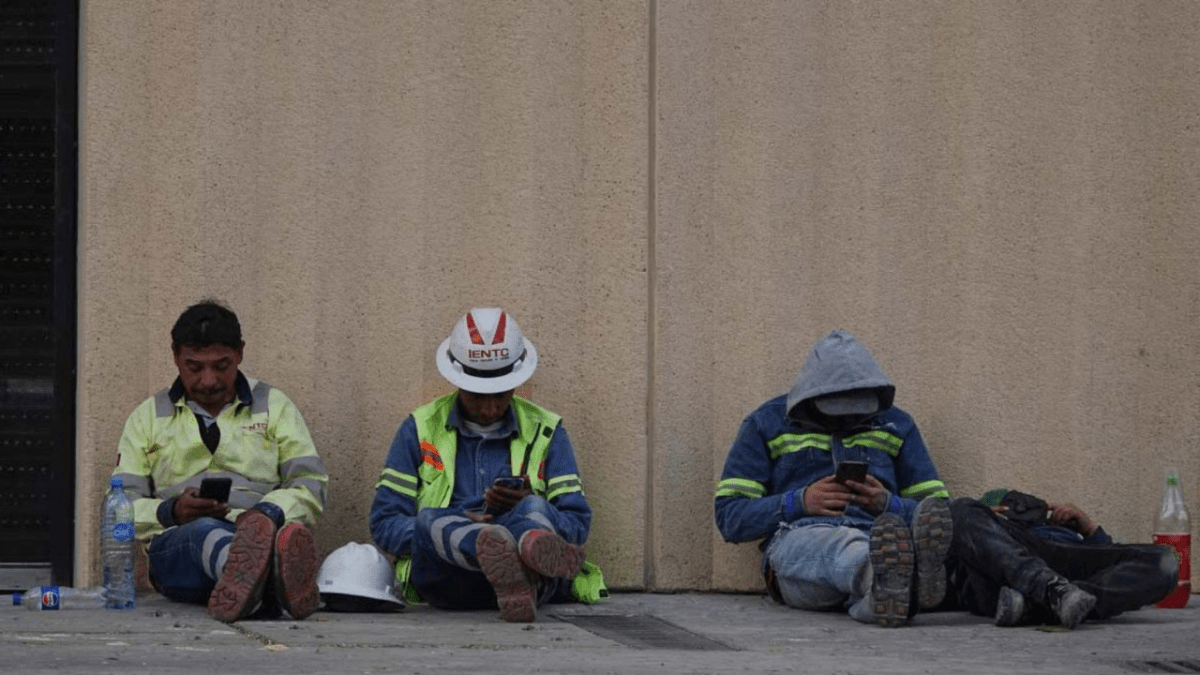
{"x": 510, "y": 482}
{"x": 216, "y": 488}
{"x": 851, "y": 470}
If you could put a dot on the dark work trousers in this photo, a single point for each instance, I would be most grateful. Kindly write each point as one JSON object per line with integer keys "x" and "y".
{"x": 989, "y": 552}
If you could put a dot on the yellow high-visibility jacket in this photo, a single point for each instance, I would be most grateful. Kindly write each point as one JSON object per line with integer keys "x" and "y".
{"x": 264, "y": 447}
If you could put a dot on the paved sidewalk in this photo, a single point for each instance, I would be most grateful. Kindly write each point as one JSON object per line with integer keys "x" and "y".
{"x": 631, "y": 633}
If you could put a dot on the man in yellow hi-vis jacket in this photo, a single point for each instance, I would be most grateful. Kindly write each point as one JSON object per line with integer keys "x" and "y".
{"x": 480, "y": 498}
{"x": 250, "y": 553}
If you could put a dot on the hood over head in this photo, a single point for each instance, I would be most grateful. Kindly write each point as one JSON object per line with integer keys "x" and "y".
{"x": 839, "y": 364}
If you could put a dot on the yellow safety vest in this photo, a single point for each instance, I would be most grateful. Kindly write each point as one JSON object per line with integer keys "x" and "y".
{"x": 527, "y": 451}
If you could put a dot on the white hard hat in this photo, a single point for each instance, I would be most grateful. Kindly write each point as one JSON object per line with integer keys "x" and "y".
{"x": 486, "y": 353}
{"x": 358, "y": 570}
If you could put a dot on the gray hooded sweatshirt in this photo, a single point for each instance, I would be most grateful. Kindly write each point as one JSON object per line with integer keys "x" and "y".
{"x": 837, "y": 363}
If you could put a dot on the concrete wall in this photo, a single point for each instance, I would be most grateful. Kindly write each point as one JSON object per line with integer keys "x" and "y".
{"x": 674, "y": 199}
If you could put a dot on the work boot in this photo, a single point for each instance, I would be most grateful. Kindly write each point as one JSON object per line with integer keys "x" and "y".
{"x": 1071, "y": 604}
{"x": 932, "y": 530}
{"x": 294, "y": 572}
{"x": 892, "y": 562}
{"x": 1010, "y": 607}
{"x": 240, "y": 590}
{"x": 496, "y": 551}
{"x": 550, "y": 555}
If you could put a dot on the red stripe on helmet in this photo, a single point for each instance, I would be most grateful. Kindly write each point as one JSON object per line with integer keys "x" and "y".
{"x": 476, "y": 338}
{"x": 499, "y": 336}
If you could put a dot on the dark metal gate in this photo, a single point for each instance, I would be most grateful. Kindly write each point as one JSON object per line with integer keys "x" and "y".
{"x": 38, "y": 177}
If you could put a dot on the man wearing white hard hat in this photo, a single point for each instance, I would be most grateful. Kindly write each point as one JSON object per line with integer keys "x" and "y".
{"x": 480, "y": 499}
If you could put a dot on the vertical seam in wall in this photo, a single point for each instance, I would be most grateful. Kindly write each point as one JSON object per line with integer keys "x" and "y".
{"x": 650, "y": 566}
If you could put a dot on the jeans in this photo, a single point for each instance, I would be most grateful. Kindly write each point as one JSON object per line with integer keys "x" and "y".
{"x": 989, "y": 552}
{"x": 186, "y": 561}
{"x": 823, "y": 567}
{"x": 444, "y": 568}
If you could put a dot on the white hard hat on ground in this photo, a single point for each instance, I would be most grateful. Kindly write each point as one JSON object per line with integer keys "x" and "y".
{"x": 486, "y": 353}
{"x": 357, "y": 578}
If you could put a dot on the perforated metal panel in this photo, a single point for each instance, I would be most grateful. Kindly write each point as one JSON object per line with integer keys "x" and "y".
{"x": 37, "y": 290}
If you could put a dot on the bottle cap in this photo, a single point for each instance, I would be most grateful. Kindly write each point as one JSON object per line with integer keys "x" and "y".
{"x": 16, "y": 598}
{"x": 117, "y": 482}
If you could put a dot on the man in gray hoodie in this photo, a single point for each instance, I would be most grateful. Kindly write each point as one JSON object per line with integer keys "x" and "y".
{"x": 872, "y": 543}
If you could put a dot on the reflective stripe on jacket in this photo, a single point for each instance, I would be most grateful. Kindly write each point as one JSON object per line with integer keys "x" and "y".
{"x": 433, "y": 484}
{"x": 773, "y": 459}
{"x": 264, "y": 447}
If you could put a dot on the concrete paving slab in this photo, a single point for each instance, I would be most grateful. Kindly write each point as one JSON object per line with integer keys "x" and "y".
{"x": 758, "y": 636}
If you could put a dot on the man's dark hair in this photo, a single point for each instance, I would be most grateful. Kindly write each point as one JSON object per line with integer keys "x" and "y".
{"x": 206, "y": 323}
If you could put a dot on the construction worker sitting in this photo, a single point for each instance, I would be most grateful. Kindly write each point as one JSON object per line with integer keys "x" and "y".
{"x": 480, "y": 498}
{"x": 248, "y": 553}
{"x": 839, "y": 482}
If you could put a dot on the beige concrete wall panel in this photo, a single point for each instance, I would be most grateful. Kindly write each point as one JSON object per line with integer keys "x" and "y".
{"x": 1085, "y": 165}
{"x": 995, "y": 197}
{"x": 992, "y": 196}
{"x": 117, "y": 279}
{"x": 351, "y": 178}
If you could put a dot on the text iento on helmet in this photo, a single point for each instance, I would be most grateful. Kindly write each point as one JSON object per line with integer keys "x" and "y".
{"x": 487, "y": 354}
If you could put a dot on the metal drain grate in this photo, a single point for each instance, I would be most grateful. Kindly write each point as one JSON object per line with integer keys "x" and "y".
{"x": 643, "y": 631}
{"x": 1163, "y": 666}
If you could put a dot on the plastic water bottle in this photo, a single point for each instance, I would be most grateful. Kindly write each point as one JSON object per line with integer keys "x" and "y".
{"x": 53, "y": 598}
{"x": 1174, "y": 529}
{"x": 116, "y": 546}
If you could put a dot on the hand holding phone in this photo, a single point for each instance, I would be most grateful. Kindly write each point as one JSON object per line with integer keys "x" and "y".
{"x": 504, "y": 494}
{"x": 210, "y": 501}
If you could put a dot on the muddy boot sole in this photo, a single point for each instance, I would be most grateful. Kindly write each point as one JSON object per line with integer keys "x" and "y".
{"x": 496, "y": 551}
{"x": 892, "y": 563}
{"x": 931, "y": 533}
{"x": 239, "y": 592}
{"x": 550, "y": 555}
{"x": 295, "y": 571}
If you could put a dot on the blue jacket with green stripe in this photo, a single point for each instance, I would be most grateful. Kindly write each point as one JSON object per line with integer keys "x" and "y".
{"x": 477, "y": 462}
{"x": 776, "y": 455}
